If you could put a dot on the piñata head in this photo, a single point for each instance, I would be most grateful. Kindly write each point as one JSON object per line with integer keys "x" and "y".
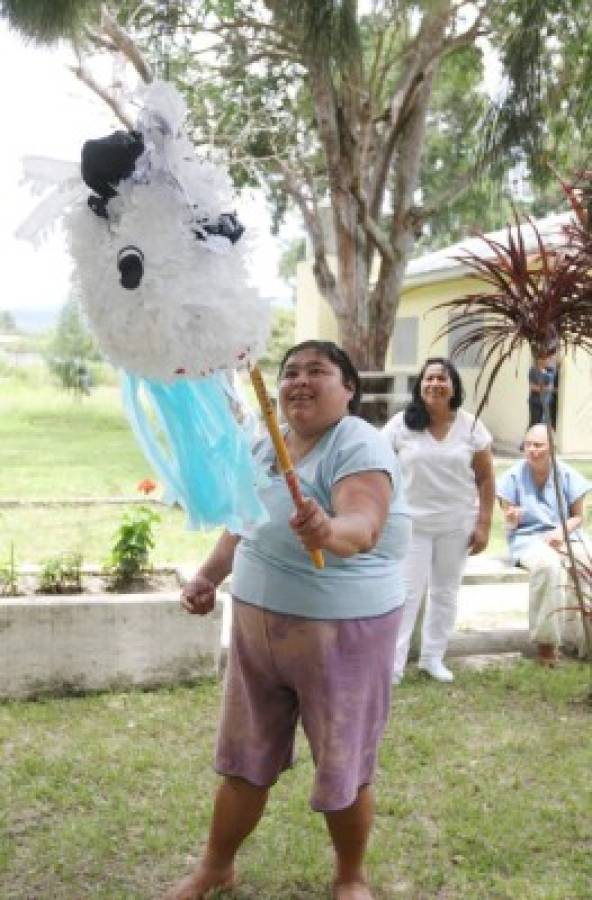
{"x": 158, "y": 252}
{"x": 160, "y": 265}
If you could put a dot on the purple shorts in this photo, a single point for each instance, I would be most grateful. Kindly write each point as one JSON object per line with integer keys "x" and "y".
{"x": 333, "y": 674}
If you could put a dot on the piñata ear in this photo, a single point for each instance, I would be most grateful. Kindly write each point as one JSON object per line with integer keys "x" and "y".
{"x": 107, "y": 161}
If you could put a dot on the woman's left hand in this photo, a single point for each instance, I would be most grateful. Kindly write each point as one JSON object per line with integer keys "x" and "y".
{"x": 311, "y": 524}
{"x": 479, "y": 538}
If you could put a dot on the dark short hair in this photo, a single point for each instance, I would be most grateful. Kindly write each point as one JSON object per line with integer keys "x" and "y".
{"x": 335, "y": 354}
{"x": 416, "y": 415}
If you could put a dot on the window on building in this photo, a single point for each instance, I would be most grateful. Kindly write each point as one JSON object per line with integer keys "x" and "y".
{"x": 405, "y": 341}
{"x": 468, "y": 359}
{"x": 404, "y": 384}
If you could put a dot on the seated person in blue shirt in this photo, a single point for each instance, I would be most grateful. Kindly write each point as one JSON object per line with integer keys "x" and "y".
{"x": 535, "y": 537}
{"x": 309, "y": 645}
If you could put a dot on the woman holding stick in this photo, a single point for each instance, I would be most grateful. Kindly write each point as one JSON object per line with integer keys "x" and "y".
{"x": 307, "y": 644}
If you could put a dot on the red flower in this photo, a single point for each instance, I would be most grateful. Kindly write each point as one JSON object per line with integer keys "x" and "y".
{"x": 146, "y": 486}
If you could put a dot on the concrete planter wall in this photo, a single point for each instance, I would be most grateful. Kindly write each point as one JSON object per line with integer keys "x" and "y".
{"x": 59, "y": 645}
{"x": 86, "y": 642}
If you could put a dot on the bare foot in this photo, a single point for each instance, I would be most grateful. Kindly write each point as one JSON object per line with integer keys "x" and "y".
{"x": 351, "y": 890}
{"x": 201, "y": 881}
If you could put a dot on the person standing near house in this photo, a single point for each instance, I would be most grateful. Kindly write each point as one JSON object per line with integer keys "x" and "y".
{"x": 542, "y": 388}
{"x": 448, "y": 477}
{"x": 535, "y": 538}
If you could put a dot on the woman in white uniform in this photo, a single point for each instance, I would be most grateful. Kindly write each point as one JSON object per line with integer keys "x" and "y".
{"x": 448, "y": 476}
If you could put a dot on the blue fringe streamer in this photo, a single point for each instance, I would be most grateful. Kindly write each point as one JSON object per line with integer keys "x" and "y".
{"x": 201, "y": 454}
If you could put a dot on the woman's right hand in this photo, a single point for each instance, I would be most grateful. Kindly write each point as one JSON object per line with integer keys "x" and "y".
{"x": 198, "y": 596}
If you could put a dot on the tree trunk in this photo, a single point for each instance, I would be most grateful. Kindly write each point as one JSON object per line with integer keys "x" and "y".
{"x": 354, "y": 340}
{"x": 353, "y": 319}
{"x": 357, "y": 182}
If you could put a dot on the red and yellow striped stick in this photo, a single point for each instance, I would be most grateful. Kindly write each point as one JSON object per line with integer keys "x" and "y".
{"x": 277, "y": 439}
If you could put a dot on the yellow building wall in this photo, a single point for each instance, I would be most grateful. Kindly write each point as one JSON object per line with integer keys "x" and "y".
{"x": 506, "y": 414}
{"x": 505, "y": 420}
{"x": 574, "y": 428}
{"x": 315, "y": 319}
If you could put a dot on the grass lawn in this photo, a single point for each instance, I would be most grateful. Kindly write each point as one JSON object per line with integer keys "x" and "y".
{"x": 54, "y": 446}
{"x": 39, "y": 533}
{"x": 483, "y": 792}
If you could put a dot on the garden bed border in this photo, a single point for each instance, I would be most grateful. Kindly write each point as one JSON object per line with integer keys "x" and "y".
{"x": 80, "y": 643}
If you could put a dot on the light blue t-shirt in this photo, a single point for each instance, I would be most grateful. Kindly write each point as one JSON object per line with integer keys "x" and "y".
{"x": 541, "y": 513}
{"x": 271, "y": 568}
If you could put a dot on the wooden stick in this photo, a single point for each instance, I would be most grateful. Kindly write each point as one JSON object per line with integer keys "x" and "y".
{"x": 279, "y": 444}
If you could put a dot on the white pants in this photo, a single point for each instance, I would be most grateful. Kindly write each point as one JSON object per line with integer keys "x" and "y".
{"x": 550, "y": 592}
{"x": 436, "y": 560}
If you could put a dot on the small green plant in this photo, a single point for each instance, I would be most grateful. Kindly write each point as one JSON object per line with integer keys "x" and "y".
{"x": 9, "y": 575}
{"x": 61, "y": 574}
{"x": 133, "y": 542}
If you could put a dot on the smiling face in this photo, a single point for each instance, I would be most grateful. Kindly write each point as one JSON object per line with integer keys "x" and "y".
{"x": 312, "y": 393}
{"x": 436, "y": 385}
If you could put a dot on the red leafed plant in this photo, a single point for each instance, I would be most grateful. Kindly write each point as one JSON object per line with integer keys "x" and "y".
{"x": 538, "y": 300}
{"x": 541, "y": 300}
{"x": 579, "y": 194}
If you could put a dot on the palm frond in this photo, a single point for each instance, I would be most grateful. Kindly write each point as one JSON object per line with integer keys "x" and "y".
{"x": 47, "y": 22}
{"x": 326, "y": 27}
{"x": 545, "y": 52}
{"x": 579, "y": 193}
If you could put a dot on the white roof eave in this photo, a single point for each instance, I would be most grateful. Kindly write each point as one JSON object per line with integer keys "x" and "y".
{"x": 442, "y": 265}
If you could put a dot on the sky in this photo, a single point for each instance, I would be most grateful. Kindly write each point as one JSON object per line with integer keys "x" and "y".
{"x": 48, "y": 112}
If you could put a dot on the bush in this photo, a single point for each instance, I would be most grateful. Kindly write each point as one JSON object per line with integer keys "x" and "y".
{"x": 8, "y": 576}
{"x": 73, "y": 374}
{"x": 61, "y": 574}
{"x": 134, "y": 540}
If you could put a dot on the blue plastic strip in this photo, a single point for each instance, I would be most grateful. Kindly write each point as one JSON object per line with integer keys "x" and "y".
{"x": 200, "y": 453}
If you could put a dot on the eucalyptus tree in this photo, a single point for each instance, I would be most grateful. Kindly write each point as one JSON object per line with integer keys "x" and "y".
{"x": 371, "y": 110}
